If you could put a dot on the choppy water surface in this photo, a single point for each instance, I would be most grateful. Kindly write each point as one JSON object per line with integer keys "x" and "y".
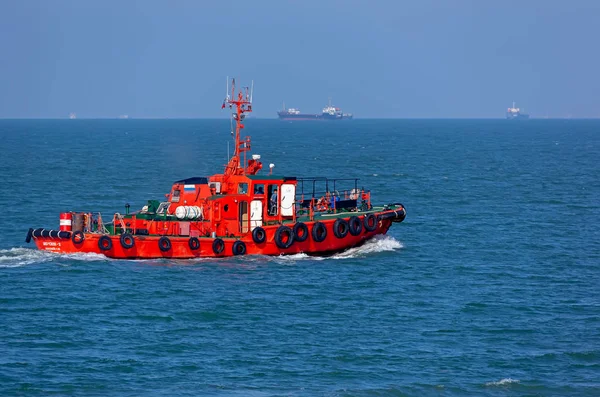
{"x": 490, "y": 286}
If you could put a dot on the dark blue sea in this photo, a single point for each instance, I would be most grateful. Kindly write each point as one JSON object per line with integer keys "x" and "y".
{"x": 490, "y": 287}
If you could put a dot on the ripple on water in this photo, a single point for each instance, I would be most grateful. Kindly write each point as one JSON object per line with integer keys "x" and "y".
{"x": 489, "y": 287}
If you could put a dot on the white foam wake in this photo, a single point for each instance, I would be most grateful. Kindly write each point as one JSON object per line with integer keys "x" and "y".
{"x": 503, "y": 382}
{"x": 17, "y": 257}
{"x": 377, "y": 244}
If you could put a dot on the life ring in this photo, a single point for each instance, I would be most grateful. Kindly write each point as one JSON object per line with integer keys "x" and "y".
{"x": 319, "y": 232}
{"x": 194, "y": 243}
{"x": 340, "y": 228}
{"x": 300, "y": 232}
{"x": 284, "y": 237}
{"x": 127, "y": 240}
{"x": 323, "y": 204}
{"x": 370, "y": 222}
{"x": 218, "y": 246}
{"x": 104, "y": 243}
{"x": 355, "y": 225}
{"x": 259, "y": 235}
{"x": 78, "y": 237}
{"x": 164, "y": 244}
{"x": 239, "y": 248}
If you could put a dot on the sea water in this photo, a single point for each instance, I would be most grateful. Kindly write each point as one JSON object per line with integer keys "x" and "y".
{"x": 489, "y": 287}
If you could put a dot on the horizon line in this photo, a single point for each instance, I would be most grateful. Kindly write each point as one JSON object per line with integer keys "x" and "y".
{"x": 300, "y": 121}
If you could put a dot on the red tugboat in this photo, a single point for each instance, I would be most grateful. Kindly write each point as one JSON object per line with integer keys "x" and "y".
{"x": 237, "y": 212}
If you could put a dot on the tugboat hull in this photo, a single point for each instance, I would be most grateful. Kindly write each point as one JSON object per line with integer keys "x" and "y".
{"x": 185, "y": 247}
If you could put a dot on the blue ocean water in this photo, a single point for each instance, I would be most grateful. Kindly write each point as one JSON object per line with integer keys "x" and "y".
{"x": 489, "y": 287}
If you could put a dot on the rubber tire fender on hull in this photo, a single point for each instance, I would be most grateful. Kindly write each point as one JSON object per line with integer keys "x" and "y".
{"x": 340, "y": 228}
{"x": 370, "y": 222}
{"x": 396, "y": 216}
{"x": 280, "y": 234}
{"x": 218, "y": 246}
{"x": 300, "y": 232}
{"x": 259, "y": 235}
{"x": 319, "y": 232}
{"x": 127, "y": 240}
{"x": 37, "y": 233}
{"x": 164, "y": 244}
{"x": 194, "y": 243}
{"x": 64, "y": 234}
{"x": 400, "y": 215}
{"x": 238, "y": 248}
{"x": 105, "y": 243}
{"x": 355, "y": 225}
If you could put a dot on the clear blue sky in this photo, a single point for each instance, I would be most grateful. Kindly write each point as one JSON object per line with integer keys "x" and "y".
{"x": 442, "y": 58}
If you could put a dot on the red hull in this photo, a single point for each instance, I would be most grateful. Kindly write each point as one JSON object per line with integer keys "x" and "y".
{"x": 147, "y": 247}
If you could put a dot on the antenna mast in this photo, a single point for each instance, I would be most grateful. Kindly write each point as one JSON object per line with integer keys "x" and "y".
{"x": 241, "y": 105}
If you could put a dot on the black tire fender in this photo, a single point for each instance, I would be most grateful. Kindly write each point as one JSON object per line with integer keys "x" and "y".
{"x": 164, "y": 244}
{"x": 319, "y": 232}
{"x": 280, "y": 234}
{"x": 259, "y": 235}
{"x": 194, "y": 243}
{"x": 340, "y": 228}
{"x": 239, "y": 248}
{"x": 300, "y": 232}
{"x": 218, "y": 246}
{"x": 355, "y": 225}
{"x": 127, "y": 240}
{"x": 105, "y": 243}
{"x": 370, "y": 222}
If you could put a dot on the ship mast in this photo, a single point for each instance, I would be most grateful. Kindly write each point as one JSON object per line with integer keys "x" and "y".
{"x": 241, "y": 104}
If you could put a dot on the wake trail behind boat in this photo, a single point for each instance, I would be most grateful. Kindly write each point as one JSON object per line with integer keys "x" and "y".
{"x": 18, "y": 257}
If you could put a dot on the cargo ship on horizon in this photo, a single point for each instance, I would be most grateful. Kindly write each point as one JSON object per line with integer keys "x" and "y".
{"x": 329, "y": 113}
{"x": 514, "y": 113}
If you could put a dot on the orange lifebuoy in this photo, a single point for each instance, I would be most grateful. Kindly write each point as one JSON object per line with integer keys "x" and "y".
{"x": 322, "y": 204}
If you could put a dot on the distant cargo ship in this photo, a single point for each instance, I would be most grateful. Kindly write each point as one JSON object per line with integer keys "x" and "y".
{"x": 329, "y": 113}
{"x": 515, "y": 113}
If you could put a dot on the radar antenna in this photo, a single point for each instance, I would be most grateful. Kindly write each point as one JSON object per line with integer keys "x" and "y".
{"x": 242, "y": 104}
